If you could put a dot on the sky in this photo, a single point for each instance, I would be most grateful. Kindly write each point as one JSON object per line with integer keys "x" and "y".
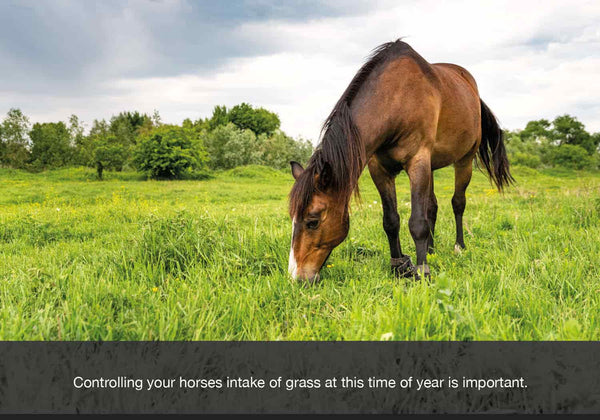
{"x": 532, "y": 59}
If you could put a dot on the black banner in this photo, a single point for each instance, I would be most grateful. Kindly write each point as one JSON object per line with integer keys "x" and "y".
{"x": 300, "y": 377}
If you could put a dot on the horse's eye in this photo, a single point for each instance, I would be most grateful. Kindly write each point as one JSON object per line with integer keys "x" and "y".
{"x": 312, "y": 224}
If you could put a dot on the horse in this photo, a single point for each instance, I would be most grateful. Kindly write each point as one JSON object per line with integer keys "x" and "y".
{"x": 399, "y": 112}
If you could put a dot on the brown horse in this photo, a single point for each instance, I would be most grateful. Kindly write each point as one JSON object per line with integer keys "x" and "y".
{"x": 398, "y": 113}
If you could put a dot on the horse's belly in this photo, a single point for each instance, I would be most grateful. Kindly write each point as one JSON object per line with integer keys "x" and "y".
{"x": 446, "y": 152}
{"x": 440, "y": 160}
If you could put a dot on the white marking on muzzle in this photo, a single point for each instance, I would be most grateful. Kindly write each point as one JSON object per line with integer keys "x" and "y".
{"x": 292, "y": 266}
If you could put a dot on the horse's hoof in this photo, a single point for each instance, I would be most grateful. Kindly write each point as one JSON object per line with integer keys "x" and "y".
{"x": 422, "y": 271}
{"x": 402, "y": 267}
{"x": 458, "y": 249}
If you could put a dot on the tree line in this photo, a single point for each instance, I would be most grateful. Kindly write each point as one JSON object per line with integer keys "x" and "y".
{"x": 233, "y": 137}
{"x": 562, "y": 142}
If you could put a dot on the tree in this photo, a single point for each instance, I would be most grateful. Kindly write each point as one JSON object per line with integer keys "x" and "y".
{"x": 536, "y": 130}
{"x": 2, "y": 147}
{"x": 77, "y": 138}
{"x": 220, "y": 117}
{"x": 109, "y": 153}
{"x": 126, "y": 125}
{"x": 14, "y": 139}
{"x": 103, "y": 150}
{"x": 228, "y": 147}
{"x": 596, "y": 140}
{"x": 156, "y": 119}
{"x": 169, "y": 151}
{"x": 85, "y": 148}
{"x": 259, "y": 120}
{"x": 50, "y": 145}
{"x": 279, "y": 149}
{"x": 573, "y": 157}
{"x": 569, "y": 130}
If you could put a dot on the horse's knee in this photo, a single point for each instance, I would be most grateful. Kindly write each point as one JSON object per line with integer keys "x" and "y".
{"x": 458, "y": 204}
{"x": 419, "y": 227}
{"x": 391, "y": 223}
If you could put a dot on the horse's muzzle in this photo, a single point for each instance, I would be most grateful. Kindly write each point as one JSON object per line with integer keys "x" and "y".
{"x": 307, "y": 278}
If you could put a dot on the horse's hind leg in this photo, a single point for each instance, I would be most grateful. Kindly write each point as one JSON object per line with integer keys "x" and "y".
{"x": 385, "y": 183}
{"x": 462, "y": 177}
{"x": 432, "y": 209}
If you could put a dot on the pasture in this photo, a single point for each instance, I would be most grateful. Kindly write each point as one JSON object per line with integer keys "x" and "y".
{"x": 129, "y": 259}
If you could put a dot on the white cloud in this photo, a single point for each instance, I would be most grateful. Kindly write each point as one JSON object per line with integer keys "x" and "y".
{"x": 531, "y": 59}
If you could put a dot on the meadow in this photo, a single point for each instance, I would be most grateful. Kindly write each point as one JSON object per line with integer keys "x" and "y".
{"x": 130, "y": 259}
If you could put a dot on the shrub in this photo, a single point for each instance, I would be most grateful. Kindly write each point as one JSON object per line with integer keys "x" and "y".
{"x": 228, "y": 147}
{"x": 278, "y": 150}
{"x": 169, "y": 152}
{"x": 573, "y": 157}
{"x": 526, "y": 159}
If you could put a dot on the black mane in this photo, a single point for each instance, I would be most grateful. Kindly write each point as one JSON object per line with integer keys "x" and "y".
{"x": 341, "y": 149}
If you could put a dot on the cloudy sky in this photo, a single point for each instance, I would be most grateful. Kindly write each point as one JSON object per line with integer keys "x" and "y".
{"x": 531, "y": 59}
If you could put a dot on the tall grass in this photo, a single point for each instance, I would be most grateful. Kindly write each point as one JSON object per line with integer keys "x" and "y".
{"x": 125, "y": 259}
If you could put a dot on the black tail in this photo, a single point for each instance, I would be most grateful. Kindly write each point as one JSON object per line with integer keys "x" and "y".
{"x": 492, "y": 153}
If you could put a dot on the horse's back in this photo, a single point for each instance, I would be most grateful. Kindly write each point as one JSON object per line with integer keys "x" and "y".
{"x": 418, "y": 107}
{"x": 459, "y": 71}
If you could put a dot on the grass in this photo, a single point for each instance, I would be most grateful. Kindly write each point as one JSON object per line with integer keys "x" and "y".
{"x": 127, "y": 259}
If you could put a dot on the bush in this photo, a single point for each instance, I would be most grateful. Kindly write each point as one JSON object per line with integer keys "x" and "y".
{"x": 228, "y": 147}
{"x": 197, "y": 175}
{"x": 572, "y": 157}
{"x": 170, "y": 152}
{"x": 278, "y": 150}
{"x": 255, "y": 172}
{"x": 526, "y": 159}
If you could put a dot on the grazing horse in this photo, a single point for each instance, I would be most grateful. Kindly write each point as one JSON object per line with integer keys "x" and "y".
{"x": 398, "y": 113}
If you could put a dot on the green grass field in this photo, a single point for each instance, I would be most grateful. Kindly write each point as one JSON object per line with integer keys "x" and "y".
{"x": 128, "y": 259}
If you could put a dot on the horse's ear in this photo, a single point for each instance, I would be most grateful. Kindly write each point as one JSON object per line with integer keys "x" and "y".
{"x": 324, "y": 177}
{"x": 297, "y": 169}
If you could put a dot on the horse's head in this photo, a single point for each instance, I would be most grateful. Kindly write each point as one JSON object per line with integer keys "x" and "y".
{"x": 319, "y": 221}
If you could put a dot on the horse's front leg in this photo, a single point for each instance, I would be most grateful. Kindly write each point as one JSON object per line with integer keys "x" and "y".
{"x": 420, "y": 175}
{"x": 386, "y": 185}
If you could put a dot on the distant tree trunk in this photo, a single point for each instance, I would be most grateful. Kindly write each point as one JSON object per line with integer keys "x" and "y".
{"x": 100, "y": 169}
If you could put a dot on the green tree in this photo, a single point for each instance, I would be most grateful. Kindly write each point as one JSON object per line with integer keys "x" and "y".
{"x": 156, "y": 119}
{"x": 78, "y": 140}
{"x": 569, "y": 130}
{"x": 279, "y": 149}
{"x": 50, "y": 145}
{"x": 169, "y": 151}
{"x": 259, "y": 120}
{"x": 536, "y": 130}
{"x": 125, "y": 125}
{"x": 2, "y": 147}
{"x": 572, "y": 157}
{"x": 103, "y": 150}
{"x": 14, "y": 139}
{"x": 109, "y": 153}
{"x": 228, "y": 147}
{"x": 220, "y": 117}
